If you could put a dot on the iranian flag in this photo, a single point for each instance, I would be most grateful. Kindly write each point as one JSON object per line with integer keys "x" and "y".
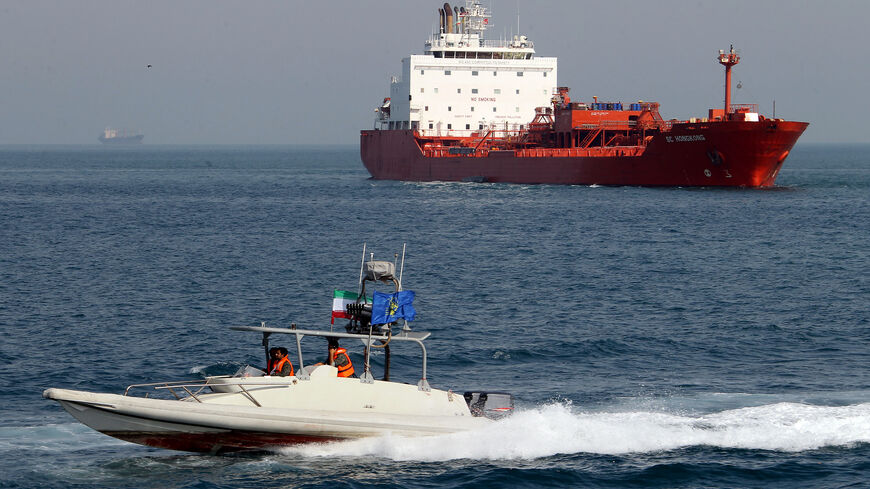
{"x": 340, "y": 299}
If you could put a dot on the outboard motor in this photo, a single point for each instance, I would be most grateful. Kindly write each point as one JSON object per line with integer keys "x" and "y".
{"x": 492, "y": 405}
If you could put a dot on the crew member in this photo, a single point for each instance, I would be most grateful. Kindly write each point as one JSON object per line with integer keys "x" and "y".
{"x": 339, "y": 358}
{"x": 283, "y": 367}
{"x": 273, "y": 359}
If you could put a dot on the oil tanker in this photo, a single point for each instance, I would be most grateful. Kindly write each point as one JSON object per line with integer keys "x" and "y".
{"x": 479, "y": 110}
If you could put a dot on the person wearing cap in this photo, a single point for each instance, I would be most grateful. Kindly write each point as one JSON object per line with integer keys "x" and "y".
{"x": 282, "y": 366}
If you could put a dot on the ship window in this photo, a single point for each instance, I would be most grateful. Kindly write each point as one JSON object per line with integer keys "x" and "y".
{"x": 497, "y": 91}
{"x": 473, "y": 90}
{"x": 473, "y": 73}
{"x": 517, "y": 109}
{"x": 426, "y": 108}
{"x": 458, "y": 90}
{"x": 430, "y": 125}
{"x": 446, "y": 72}
{"x": 519, "y": 73}
{"x": 422, "y": 72}
{"x": 493, "y": 109}
{"x": 449, "y": 108}
{"x": 472, "y": 109}
{"x": 436, "y": 89}
{"x": 422, "y": 90}
{"x": 449, "y": 126}
{"x": 409, "y": 96}
{"x": 545, "y": 74}
{"x": 494, "y": 73}
{"x": 518, "y": 91}
{"x": 480, "y": 126}
{"x": 468, "y": 126}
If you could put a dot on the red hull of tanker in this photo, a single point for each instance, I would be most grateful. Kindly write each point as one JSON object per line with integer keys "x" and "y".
{"x": 723, "y": 153}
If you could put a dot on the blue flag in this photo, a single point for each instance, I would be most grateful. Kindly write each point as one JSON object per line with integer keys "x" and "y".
{"x": 386, "y": 308}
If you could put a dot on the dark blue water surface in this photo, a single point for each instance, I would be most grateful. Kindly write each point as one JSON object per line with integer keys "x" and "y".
{"x": 653, "y": 337}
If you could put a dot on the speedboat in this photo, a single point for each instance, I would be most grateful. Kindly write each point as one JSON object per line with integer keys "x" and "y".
{"x": 252, "y": 410}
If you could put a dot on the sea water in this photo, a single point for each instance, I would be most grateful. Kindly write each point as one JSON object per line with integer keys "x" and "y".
{"x": 652, "y": 337}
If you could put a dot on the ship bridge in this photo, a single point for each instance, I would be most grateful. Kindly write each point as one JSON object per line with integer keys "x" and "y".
{"x": 464, "y": 83}
{"x": 460, "y": 35}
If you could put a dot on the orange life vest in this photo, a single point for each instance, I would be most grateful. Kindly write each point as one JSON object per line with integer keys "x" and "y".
{"x": 278, "y": 366}
{"x": 344, "y": 365}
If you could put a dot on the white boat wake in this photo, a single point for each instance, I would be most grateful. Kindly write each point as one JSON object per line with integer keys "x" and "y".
{"x": 560, "y": 429}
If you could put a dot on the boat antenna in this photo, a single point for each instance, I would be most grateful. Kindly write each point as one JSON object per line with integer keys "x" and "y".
{"x": 402, "y": 268}
{"x": 362, "y": 264}
{"x": 265, "y": 342}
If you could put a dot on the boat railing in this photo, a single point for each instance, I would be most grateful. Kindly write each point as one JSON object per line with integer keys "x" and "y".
{"x": 194, "y": 389}
{"x": 171, "y": 386}
{"x": 366, "y": 377}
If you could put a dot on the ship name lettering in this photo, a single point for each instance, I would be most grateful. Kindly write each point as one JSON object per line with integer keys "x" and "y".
{"x": 686, "y": 138}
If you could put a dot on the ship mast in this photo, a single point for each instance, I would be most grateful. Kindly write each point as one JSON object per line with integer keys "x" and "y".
{"x": 728, "y": 60}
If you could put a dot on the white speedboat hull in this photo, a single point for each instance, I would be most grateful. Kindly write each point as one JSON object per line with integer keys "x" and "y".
{"x": 271, "y": 412}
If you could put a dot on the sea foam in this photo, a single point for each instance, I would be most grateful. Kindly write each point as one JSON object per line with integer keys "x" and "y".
{"x": 560, "y": 429}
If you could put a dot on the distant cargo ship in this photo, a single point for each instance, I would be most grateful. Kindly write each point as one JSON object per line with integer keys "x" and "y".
{"x": 114, "y": 136}
{"x": 471, "y": 109}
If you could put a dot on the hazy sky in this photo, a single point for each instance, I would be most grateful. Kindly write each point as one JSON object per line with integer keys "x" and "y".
{"x": 288, "y": 72}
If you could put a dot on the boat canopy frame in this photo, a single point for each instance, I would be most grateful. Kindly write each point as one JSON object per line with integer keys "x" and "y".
{"x": 368, "y": 339}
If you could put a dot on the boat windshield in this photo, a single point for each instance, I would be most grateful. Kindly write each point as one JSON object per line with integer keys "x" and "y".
{"x": 249, "y": 371}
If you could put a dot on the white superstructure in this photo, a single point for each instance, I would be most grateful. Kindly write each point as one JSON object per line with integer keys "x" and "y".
{"x": 464, "y": 83}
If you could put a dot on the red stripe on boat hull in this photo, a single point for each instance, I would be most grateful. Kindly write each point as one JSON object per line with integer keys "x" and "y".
{"x": 222, "y": 442}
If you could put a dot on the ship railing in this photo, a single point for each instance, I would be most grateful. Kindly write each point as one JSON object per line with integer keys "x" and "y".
{"x": 597, "y": 151}
{"x": 735, "y": 108}
{"x": 482, "y": 43}
{"x": 662, "y": 125}
{"x": 606, "y": 125}
{"x": 472, "y": 133}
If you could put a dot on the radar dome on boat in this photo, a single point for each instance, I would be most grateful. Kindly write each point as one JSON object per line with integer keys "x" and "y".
{"x": 380, "y": 270}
